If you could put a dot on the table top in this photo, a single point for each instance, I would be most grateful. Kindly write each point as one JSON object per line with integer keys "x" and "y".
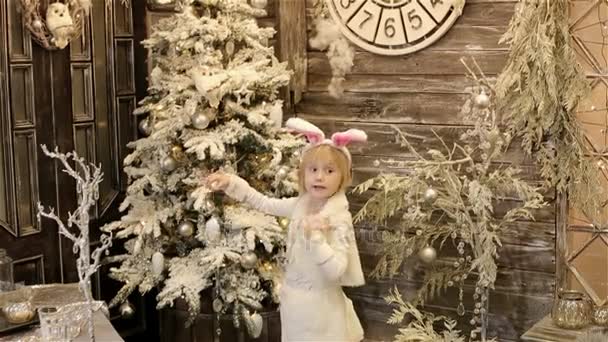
{"x": 57, "y": 295}
{"x": 546, "y": 331}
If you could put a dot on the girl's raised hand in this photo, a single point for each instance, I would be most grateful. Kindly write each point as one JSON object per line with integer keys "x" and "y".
{"x": 217, "y": 181}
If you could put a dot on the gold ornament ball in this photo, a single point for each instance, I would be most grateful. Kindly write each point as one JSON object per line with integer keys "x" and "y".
{"x": 168, "y": 164}
{"x": 177, "y": 151}
{"x": 284, "y": 222}
{"x": 185, "y": 229}
{"x": 200, "y": 120}
{"x": 430, "y": 195}
{"x": 261, "y": 4}
{"x": 249, "y": 260}
{"x": 126, "y": 310}
{"x": 428, "y": 255}
{"x": 482, "y": 100}
{"x": 144, "y": 127}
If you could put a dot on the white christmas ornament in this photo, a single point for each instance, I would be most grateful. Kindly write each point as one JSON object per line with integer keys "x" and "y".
{"x": 482, "y": 100}
{"x": 60, "y": 24}
{"x": 168, "y": 164}
{"x": 185, "y": 229}
{"x": 276, "y": 113}
{"x": 261, "y": 4}
{"x": 428, "y": 255}
{"x": 430, "y": 195}
{"x": 126, "y": 310}
{"x": 249, "y": 260}
{"x": 37, "y": 24}
{"x": 283, "y": 172}
{"x": 158, "y": 263}
{"x": 230, "y": 48}
{"x": 200, "y": 120}
{"x": 212, "y": 229}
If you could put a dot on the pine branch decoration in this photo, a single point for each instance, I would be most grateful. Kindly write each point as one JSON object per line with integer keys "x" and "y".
{"x": 538, "y": 92}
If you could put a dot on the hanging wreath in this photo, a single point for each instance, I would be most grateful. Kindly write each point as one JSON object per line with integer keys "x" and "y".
{"x": 62, "y": 22}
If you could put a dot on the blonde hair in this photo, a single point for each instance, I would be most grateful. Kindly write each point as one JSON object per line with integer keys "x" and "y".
{"x": 327, "y": 153}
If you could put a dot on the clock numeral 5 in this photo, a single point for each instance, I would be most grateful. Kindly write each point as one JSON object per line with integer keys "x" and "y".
{"x": 414, "y": 18}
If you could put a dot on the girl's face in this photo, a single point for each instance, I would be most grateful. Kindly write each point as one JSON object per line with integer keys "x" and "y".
{"x": 322, "y": 178}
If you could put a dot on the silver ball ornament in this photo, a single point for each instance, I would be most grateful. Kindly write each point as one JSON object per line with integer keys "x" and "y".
{"x": 218, "y": 305}
{"x": 185, "y": 229}
{"x": 200, "y": 120}
{"x": 430, "y": 195}
{"x": 261, "y": 4}
{"x": 126, "y": 310}
{"x": 144, "y": 127}
{"x": 428, "y": 255}
{"x": 249, "y": 260}
{"x": 482, "y": 100}
{"x": 168, "y": 164}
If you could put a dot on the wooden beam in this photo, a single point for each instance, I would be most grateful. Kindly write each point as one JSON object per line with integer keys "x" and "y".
{"x": 292, "y": 44}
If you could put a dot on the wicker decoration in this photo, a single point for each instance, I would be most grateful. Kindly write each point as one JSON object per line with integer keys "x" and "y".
{"x": 66, "y": 19}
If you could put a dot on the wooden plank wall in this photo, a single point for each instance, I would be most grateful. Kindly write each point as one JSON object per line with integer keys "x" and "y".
{"x": 420, "y": 92}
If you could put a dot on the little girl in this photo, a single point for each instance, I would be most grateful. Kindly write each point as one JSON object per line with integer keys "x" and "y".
{"x": 322, "y": 254}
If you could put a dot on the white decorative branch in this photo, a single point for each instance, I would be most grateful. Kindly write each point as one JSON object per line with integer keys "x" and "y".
{"x": 88, "y": 177}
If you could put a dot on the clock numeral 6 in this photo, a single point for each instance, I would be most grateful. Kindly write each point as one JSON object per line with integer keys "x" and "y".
{"x": 389, "y": 28}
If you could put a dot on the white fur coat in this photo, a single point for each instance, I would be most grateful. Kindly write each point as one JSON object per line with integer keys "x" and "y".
{"x": 313, "y": 305}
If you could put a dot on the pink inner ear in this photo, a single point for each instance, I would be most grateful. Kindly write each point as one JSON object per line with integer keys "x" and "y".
{"x": 341, "y": 139}
{"x": 313, "y": 138}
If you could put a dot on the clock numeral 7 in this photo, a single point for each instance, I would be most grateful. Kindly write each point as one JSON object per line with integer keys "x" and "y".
{"x": 369, "y": 16}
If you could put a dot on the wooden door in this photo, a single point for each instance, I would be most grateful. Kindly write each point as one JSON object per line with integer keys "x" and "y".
{"x": 80, "y": 98}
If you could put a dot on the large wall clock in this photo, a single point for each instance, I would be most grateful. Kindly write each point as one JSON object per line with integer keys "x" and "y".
{"x": 393, "y": 27}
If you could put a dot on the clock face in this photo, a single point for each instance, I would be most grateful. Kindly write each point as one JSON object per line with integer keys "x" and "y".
{"x": 393, "y": 27}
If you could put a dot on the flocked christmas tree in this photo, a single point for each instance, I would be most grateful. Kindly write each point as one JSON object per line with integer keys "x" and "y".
{"x": 449, "y": 196}
{"x": 211, "y": 105}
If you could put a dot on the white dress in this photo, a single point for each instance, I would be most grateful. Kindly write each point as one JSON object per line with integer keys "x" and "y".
{"x": 313, "y": 305}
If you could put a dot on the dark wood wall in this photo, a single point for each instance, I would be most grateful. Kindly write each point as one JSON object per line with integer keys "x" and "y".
{"x": 419, "y": 93}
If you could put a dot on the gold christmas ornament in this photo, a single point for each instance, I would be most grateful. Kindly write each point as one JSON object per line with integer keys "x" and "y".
{"x": 482, "y": 100}
{"x": 428, "y": 255}
{"x": 249, "y": 260}
{"x": 185, "y": 229}
{"x": 283, "y": 222}
{"x": 126, "y": 310}
{"x": 177, "y": 152}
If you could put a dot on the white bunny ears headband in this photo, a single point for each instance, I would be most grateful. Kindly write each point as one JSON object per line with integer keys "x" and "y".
{"x": 316, "y": 137}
